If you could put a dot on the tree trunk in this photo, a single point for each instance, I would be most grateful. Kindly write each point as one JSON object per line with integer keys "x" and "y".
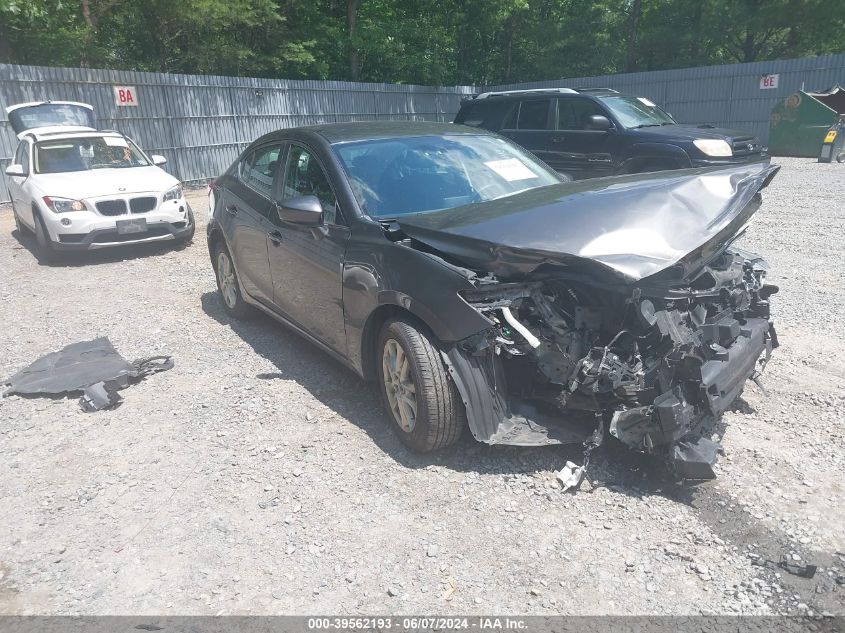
{"x": 5, "y": 46}
{"x": 90, "y": 29}
{"x": 351, "y": 20}
{"x": 633, "y": 35}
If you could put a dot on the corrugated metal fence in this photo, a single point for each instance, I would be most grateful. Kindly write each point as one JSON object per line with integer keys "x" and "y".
{"x": 726, "y": 96}
{"x": 201, "y": 123}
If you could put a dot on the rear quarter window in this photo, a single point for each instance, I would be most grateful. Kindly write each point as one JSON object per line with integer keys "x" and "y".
{"x": 483, "y": 114}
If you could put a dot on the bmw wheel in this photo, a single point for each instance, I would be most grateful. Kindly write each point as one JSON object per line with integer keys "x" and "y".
{"x": 421, "y": 399}
{"x": 228, "y": 284}
{"x": 46, "y": 251}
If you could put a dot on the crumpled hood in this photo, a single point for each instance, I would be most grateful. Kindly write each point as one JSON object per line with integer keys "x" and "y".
{"x": 632, "y": 226}
{"x": 105, "y": 182}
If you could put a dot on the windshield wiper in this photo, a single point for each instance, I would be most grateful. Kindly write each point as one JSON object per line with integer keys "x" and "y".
{"x": 636, "y": 127}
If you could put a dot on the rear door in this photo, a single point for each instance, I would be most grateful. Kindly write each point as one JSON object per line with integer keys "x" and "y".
{"x": 529, "y": 124}
{"x": 244, "y": 214}
{"x": 581, "y": 152}
{"x": 306, "y": 263}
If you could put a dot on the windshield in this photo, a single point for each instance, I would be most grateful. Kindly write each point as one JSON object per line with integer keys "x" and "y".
{"x": 85, "y": 153}
{"x": 393, "y": 177}
{"x": 637, "y": 111}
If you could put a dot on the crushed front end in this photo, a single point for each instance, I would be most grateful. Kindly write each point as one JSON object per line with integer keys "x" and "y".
{"x": 655, "y": 362}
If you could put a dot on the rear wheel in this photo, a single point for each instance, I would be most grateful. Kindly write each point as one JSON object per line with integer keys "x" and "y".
{"x": 228, "y": 284}
{"x": 422, "y": 402}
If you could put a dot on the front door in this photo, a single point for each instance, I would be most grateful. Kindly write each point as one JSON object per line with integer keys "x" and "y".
{"x": 581, "y": 152}
{"x": 306, "y": 263}
{"x": 245, "y": 215}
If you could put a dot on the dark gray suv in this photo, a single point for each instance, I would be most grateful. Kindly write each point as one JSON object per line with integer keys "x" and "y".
{"x": 584, "y": 133}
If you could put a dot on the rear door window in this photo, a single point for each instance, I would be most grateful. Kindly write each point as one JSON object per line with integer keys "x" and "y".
{"x": 259, "y": 168}
{"x": 534, "y": 114}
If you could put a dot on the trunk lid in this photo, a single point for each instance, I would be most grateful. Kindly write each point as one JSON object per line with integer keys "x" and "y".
{"x": 29, "y": 116}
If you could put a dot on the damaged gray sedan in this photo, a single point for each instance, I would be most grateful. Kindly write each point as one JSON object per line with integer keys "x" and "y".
{"x": 478, "y": 290}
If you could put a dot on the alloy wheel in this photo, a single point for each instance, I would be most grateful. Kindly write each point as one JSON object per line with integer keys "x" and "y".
{"x": 226, "y": 280}
{"x": 399, "y": 385}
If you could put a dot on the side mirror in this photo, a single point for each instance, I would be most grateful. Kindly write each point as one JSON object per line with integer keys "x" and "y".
{"x": 158, "y": 160}
{"x": 15, "y": 170}
{"x": 302, "y": 210}
{"x": 598, "y": 122}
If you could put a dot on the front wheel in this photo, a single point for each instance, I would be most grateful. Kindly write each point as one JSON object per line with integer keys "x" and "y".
{"x": 192, "y": 227}
{"x": 422, "y": 402}
{"x": 46, "y": 250}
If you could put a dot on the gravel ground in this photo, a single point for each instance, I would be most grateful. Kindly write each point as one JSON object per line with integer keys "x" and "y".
{"x": 259, "y": 476}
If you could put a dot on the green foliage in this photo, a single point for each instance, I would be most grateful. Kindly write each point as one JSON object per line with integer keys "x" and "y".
{"x": 414, "y": 41}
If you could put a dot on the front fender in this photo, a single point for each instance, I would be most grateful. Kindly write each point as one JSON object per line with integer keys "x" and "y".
{"x": 641, "y": 153}
{"x": 379, "y": 273}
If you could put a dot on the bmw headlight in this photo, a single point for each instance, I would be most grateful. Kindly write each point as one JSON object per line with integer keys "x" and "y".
{"x": 63, "y": 205}
{"x": 173, "y": 194}
{"x": 713, "y": 147}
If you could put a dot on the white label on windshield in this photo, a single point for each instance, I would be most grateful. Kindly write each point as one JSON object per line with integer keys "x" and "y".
{"x": 645, "y": 101}
{"x": 86, "y": 152}
{"x": 511, "y": 169}
{"x": 115, "y": 141}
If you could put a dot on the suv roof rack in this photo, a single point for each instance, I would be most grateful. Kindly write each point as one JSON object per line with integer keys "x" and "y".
{"x": 595, "y": 90}
{"x": 503, "y": 93}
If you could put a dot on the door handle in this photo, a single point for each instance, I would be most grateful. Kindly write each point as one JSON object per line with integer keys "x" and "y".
{"x": 558, "y": 139}
{"x": 275, "y": 237}
{"x": 232, "y": 210}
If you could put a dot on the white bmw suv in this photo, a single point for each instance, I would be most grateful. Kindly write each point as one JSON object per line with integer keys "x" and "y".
{"x": 78, "y": 188}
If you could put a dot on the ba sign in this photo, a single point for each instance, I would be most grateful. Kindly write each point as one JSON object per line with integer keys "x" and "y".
{"x": 768, "y": 82}
{"x": 125, "y": 96}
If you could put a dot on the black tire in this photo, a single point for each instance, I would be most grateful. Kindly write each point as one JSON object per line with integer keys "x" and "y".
{"x": 230, "y": 295}
{"x": 440, "y": 416}
{"x": 46, "y": 251}
{"x": 20, "y": 227}
{"x": 189, "y": 236}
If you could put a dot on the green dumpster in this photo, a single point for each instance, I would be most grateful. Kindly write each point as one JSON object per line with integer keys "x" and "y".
{"x": 799, "y": 123}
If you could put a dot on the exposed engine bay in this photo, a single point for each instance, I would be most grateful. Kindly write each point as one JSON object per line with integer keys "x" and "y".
{"x": 655, "y": 364}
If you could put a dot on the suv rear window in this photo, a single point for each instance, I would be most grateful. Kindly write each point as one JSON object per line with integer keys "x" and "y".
{"x": 484, "y": 114}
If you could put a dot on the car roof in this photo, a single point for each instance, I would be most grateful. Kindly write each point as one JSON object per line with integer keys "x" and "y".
{"x": 373, "y": 130}
{"x": 510, "y": 95}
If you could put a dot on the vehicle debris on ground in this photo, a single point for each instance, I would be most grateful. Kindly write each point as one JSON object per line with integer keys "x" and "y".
{"x": 94, "y": 368}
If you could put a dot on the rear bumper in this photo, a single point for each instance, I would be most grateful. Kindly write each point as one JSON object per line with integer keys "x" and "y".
{"x": 108, "y": 238}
